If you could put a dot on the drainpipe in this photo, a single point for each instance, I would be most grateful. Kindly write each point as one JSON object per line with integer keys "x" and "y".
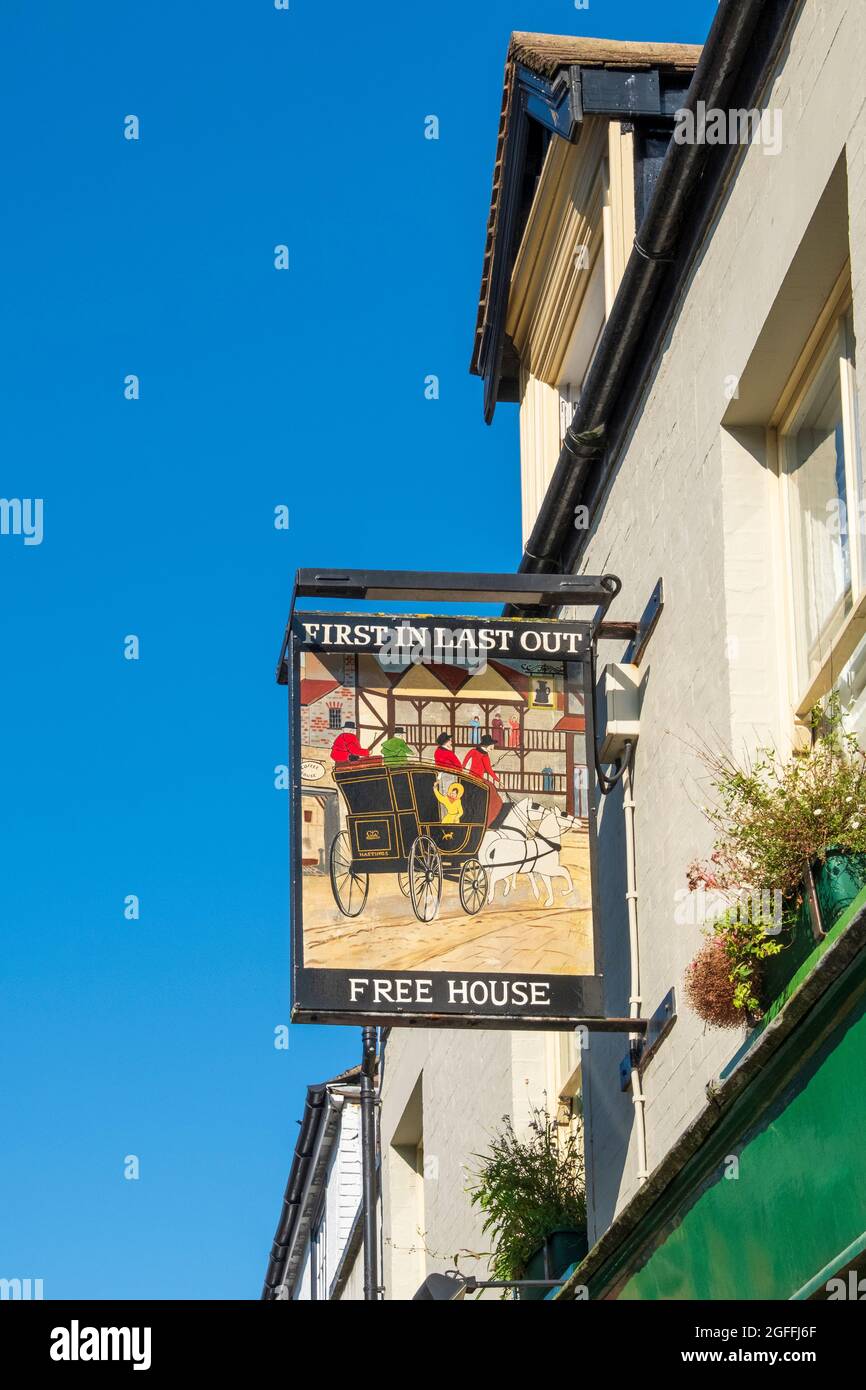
{"x": 655, "y": 248}
{"x": 635, "y": 1000}
{"x": 369, "y": 1163}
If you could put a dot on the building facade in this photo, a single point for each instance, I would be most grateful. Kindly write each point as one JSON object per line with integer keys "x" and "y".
{"x": 316, "y": 1254}
{"x": 444, "y": 1095}
{"x": 713, "y": 442}
{"x": 673, "y": 283}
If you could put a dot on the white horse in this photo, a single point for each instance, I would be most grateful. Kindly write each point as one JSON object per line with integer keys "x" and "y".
{"x": 548, "y": 844}
{"x": 504, "y": 851}
{"x": 528, "y": 841}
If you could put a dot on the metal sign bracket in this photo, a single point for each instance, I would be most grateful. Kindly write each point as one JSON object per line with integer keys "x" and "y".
{"x": 535, "y": 594}
{"x": 656, "y": 1030}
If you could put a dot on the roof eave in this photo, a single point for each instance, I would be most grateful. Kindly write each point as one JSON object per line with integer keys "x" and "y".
{"x": 566, "y": 55}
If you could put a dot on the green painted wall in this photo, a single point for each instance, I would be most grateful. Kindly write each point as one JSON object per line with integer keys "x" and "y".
{"x": 800, "y": 1198}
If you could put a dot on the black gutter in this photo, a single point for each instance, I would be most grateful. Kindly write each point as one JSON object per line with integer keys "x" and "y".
{"x": 524, "y": 151}
{"x": 655, "y": 271}
{"x": 304, "y": 1150}
{"x": 540, "y": 108}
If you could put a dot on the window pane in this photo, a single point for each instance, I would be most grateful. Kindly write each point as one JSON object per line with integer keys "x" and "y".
{"x": 852, "y": 691}
{"x": 815, "y": 461}
{"x": 855, "y": 517}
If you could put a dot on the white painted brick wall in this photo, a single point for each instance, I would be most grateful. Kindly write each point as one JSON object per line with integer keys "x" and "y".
{"x": 690, "y": 504}
{"x": 348, "y": 1176}
{"x": 470, "y": 1081}
{"x": 343, "y": 1196}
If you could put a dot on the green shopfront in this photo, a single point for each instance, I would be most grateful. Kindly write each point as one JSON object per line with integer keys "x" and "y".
{"x": 764, "y": 1196}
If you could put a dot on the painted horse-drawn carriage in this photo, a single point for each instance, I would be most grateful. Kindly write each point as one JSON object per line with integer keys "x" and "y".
{"x": 394, "y": 826}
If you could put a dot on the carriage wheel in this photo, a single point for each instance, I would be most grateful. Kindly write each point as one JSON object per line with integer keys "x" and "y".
{"x": 348, "y": 885}
{"x": 425, "y": 878}
{"x": 403, "y": 882}
{"x": 473, "y": 887}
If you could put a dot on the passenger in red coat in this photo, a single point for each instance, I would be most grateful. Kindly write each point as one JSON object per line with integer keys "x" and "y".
{"x": 478, "y": 762}
{"x": 346, "y": 747}
{"x": 445, "y": 756}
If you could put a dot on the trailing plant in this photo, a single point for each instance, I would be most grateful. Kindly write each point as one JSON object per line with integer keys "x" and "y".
{"x": 776, "y": 815}
{"x": 708, "y": 989}
{"x": 774, "y": 818}
{"x": 746, "y": 944}
{"x": 529, "y": 1187}
{"x": 722, "y": 983}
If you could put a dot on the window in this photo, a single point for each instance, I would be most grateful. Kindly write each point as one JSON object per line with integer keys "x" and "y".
{"x": 852, "y": 690}
{"x": 582, "y": 347}
{"x": 821, "y": 466}
{"x": 405, "y": 1187}
{"x": 335, "y": 716}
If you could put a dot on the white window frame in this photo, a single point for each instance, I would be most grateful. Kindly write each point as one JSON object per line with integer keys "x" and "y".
{"x": 842, "y": 642}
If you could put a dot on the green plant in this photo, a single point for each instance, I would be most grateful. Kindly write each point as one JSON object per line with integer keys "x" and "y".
{"x": 774, "y": 818}
{"x": 528, "y": 1187}
{"x": 779, "y": 814}
{"x": 746, "y": 944}
{"x": 722, "y": 984}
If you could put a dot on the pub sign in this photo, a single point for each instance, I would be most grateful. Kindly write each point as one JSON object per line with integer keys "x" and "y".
{"x": 442, "y": 821}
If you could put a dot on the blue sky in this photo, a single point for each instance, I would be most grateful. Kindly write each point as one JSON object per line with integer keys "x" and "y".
{"x": 257, "y": 388}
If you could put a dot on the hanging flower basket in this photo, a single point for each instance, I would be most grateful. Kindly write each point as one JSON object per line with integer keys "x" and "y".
{"x": 709, "y": 989}
{"x": 791, "y": 831}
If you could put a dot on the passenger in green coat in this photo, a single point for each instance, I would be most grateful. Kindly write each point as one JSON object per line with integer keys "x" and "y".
{"x": 395, "y": 750}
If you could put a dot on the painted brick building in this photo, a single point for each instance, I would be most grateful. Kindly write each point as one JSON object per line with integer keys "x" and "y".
{"x": 706, "y": 436}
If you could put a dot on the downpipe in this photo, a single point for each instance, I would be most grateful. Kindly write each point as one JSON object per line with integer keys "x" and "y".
{"x": 635, "y": 1000}
{"x": 369, "y": 1164}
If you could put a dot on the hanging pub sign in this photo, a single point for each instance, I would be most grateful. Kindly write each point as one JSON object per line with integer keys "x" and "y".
{"x": 442, "y": 826}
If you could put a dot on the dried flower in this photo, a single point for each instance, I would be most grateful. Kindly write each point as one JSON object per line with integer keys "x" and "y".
{"x": 709, "y": 990}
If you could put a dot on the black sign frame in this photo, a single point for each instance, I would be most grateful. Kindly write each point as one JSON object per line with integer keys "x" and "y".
{"x": 440, "y": 998}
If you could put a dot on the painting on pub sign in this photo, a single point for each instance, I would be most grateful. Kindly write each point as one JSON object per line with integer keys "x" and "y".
{"x": 442, "y": 817}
